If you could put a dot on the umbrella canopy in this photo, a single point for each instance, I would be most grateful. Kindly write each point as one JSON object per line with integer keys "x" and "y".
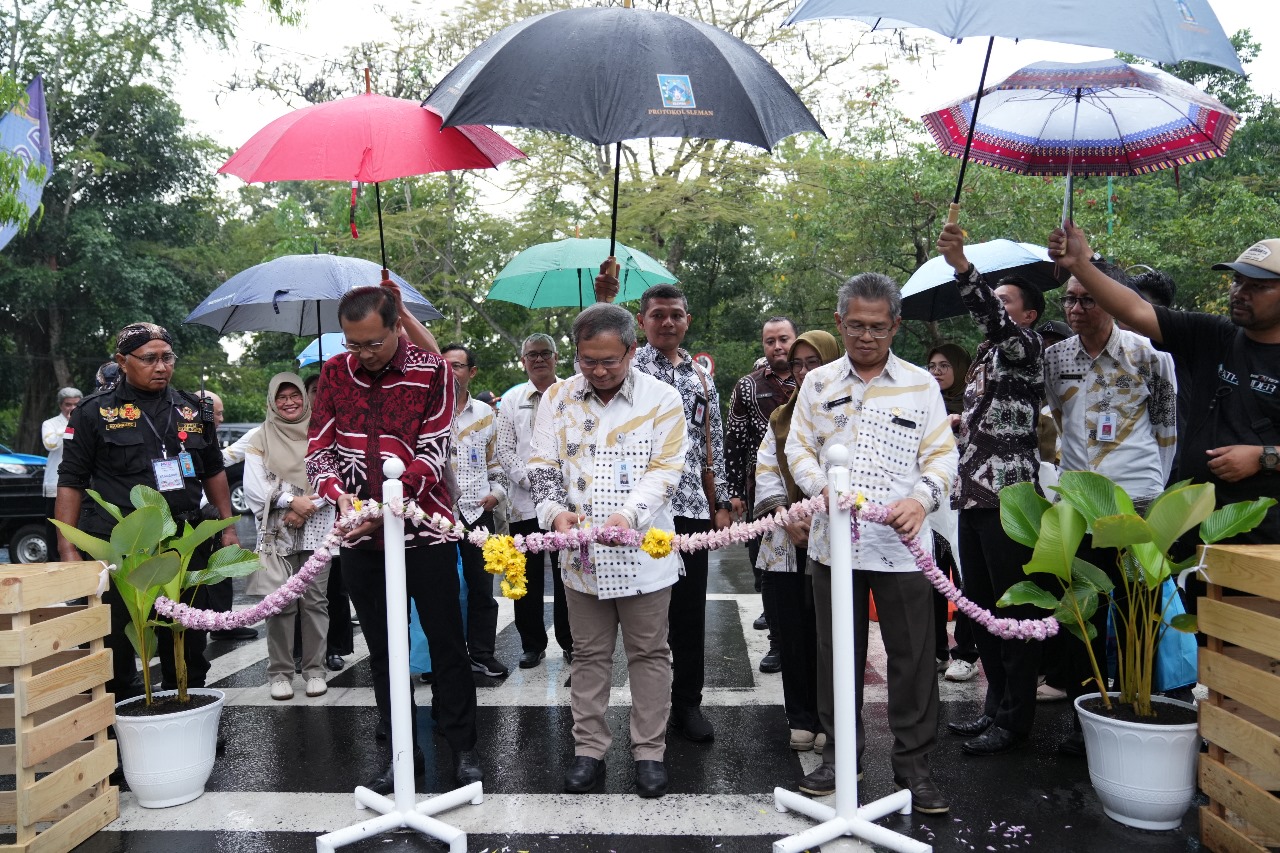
{"x": 606, "y": 74}
{"x": 563, "y": 274}
{"x": 931, "y": 292}
{"x": 297, "y": 294}
{"x": 1160, "y": 30}
{"x": 328, "y": 345}
{"x": 1096, "y": 118}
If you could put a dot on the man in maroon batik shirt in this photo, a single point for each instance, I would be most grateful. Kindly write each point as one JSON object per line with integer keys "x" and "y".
{"x": 387, "y": 397}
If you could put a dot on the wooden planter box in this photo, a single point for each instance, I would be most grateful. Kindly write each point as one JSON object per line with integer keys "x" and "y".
{"x": 1241, "y": 718}
{"x": 59, "y": 708}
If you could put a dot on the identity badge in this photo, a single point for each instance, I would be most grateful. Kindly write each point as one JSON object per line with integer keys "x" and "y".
{"x": 1107, "y": 426}
{"x": 188, "y": 467}
{"x": 168, "y": 475}
{"x": 474, "y": 455}
{"x": 622, "y": 473}
{"x": 699, "y": 410}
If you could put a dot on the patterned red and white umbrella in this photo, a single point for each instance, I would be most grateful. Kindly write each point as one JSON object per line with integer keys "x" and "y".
{"x": 1090, "y": 118}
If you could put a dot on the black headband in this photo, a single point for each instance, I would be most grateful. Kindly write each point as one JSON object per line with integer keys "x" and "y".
{"x": 140, "y": 334}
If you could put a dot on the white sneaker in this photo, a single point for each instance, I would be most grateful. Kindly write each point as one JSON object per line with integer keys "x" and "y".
{"x": 282, "y": 689}
{"x": 961, "y": 670}
{"x": 819, "y": 742}
{"x": 316, "y": 686}
{"x": 801, "y": 740}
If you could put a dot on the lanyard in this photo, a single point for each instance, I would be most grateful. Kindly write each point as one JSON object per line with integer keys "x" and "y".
{"x": 169, "y": 405}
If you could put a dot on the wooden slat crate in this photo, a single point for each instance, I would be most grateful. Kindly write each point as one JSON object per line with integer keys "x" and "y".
{"x": 52, "y": 655}
{"x": 1241, "y": 718}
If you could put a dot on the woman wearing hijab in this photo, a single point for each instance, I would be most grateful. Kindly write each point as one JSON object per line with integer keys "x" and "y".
{"x": 291, "y": 522}
{"x": 949, "y": 366}
{"x": 788, "y": 591}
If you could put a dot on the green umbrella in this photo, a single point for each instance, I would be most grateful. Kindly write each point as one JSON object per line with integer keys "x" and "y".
{"x": 552, "y": 275}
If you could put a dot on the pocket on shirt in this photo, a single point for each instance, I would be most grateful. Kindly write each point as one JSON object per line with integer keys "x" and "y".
{"x": 895, "y": 437}
{"x": 128, "y": 450}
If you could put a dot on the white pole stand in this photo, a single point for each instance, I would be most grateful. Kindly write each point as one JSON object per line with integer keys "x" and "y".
{"x": 399, "y": 811}
{"x": 846, "y": 818}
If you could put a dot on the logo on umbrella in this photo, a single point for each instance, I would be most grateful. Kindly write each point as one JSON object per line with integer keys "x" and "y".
{"x": 676, "y": 91}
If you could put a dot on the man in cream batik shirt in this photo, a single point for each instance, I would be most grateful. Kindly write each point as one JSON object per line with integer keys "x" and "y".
{"x": 608, "y": 451}
{"x": 890, "y": 416}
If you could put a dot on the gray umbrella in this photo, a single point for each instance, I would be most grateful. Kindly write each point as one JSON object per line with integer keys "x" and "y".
{"x": 297, "y": 294}
{"x": 606, "y": 74}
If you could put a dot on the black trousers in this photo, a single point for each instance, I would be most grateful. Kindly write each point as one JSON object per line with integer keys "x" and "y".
{"x": 482, "y": 607}
{"x": 788, "y": 599}
{"x": 687, "y": 621}
{"x": 992, "y": 563}
{"x": 341, "y": 639}
{"x": 431, "y": 580}
{"x": 965, "y": 648}
{"x": 530, "y": 619}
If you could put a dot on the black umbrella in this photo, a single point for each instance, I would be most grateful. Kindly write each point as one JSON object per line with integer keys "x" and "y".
{"x": 609, "y": 74}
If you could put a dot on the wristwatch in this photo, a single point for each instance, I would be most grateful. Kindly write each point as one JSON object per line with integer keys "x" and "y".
{"x": 728, "y": 506}
{"x": 1269, "y": 460}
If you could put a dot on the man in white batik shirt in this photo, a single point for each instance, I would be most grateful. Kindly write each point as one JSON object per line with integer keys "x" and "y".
{"x": 890, "y": 416}
{"x": 481, "y": 484}
{"x": 608, "y": 450}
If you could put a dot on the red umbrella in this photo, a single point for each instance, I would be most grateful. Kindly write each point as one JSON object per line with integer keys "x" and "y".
{"x": 365, "y": 139}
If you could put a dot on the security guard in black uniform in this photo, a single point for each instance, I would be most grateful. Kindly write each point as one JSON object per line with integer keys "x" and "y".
{"x": 141, "y": 431}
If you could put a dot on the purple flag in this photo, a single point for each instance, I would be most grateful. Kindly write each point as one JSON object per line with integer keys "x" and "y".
{"x": 26, "y": 134}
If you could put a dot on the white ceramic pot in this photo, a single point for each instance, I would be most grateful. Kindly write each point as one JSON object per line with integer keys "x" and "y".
{"x": 1144, "y": 773}
{"x": 168, "y": 758}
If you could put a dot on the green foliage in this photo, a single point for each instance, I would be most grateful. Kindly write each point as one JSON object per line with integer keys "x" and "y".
{"x": 1092, "y": 502}
{"x": 150, "y": 557}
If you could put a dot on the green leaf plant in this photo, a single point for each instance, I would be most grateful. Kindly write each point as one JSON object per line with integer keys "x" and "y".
{"x": 151, "y": 557}
{"x": 1090, "y": 504}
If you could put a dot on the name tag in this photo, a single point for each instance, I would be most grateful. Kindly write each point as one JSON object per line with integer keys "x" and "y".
{"x": 474, "y": 455}
{"x": 699, "y": 410}
{"x": 1074, "y": 376}
{"x": 168, "y": 474}
{"x": 622, "y": 474}
{"x": 1107, "y": 426}
{"x": 903, "y": 422}
{"x": 188, "y": 467}
{"x": 833, "y": 403}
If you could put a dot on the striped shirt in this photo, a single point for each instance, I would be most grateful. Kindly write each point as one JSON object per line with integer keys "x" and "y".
{"x": 900, "y": 446}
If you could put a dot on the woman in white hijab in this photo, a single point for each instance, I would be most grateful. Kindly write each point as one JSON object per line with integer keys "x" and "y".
{"x": 292, "y": 520}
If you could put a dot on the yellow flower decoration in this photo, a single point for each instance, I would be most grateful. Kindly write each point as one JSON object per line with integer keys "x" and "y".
{"x": 357, "y": 505}
{"x": 858, "y": 500}
{"x": 657, "y": 543}
{"x": 502, "y": 557}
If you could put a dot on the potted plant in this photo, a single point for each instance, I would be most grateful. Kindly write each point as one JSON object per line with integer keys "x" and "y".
{"x": 1141, "y": 750}
{"x": 167, "y": 739}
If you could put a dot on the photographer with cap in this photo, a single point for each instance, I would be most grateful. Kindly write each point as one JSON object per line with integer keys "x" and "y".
{"x": 141, "y": 431}
{"x": 1232, "y": 364}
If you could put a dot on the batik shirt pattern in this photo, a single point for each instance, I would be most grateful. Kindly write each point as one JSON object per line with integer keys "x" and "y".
{"x": 777, "y": 554}
{"x": 1129, "y": 388}
{"x": 516, "y": 417}
{"x": 900, "y": 445}
{"x": 755, "y": 396}
{"x": 625, "y": 456}
{"x": 690, "y": 501}
{"x": 474, "y": 459}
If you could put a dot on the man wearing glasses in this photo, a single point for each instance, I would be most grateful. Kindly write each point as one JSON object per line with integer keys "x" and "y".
{"x": 144, "y": 432}
{"x": 609, "y": 450}
{"x": 516, "y": 417}
{"x": 388, "y": 397}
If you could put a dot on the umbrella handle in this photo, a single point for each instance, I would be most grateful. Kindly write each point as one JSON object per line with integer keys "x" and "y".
{"x": 614, "y": 268}
{"x": 953, "y": 213}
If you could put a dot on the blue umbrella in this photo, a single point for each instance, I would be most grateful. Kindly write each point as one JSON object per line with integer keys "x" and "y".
{"x": 327, "y": 346}
{"x": 297, "y": 294}
{"x": 931, "y": 292}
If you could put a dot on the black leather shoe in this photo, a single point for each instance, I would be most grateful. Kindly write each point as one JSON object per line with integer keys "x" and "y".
{"x": 384, "y": 783}
{"x": 925, "y": 796}
{"x": 583, "y": 775}
{"x": 994, "y": 741}
{"x": 772, "y": 662}
{"x": 233, "y": 634}
{"x": 335, "y": 662}
{"x": 529, "y": 660}
{"x": 1073, "y": 745}
{"x": 761, "y": 623}
{"x": 971, "y": 728}
{"x": 466, "y": 766}
{"x": 821, "y": 782}
{"x": 651, "y": 779}
{"x": 689, "y": 722}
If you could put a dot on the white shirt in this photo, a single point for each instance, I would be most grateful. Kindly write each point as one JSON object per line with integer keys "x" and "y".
{"x": 625, "y": 456}
{"x": 777, "y": 554}
{"x": 235, "y": 452}
{"x": 515, "y": 442}
{"x": 1131, "y": 388}
{"x": 52, "y": 432}
{"x": 900, "y": 446}
{"x": 474, "y": 460}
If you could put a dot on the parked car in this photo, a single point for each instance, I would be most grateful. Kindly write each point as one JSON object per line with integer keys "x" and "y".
{"x": 23, "y": 510}
{"x": 229, "y": 434}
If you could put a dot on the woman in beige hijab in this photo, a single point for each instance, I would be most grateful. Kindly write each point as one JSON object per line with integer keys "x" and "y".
{"x": 292, "y": 520}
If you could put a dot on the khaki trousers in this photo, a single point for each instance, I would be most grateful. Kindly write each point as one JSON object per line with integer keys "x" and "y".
{"x": 313, "y": 610}
{"x": 594, "y": 624}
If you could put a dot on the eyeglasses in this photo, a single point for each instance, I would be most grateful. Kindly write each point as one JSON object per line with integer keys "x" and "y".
{"x": 151, "y": 358}
{"x": 939, "y": 366}
{"x": 805, "y": 364}
{"x": 607, "y": 363}
{"x": 373, "y": 347}
{"x": 541, "y": 355}
{"x": 1085, "y": 302}
{"x": 288, "y": 398}
{"x": 857, "y": 330}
